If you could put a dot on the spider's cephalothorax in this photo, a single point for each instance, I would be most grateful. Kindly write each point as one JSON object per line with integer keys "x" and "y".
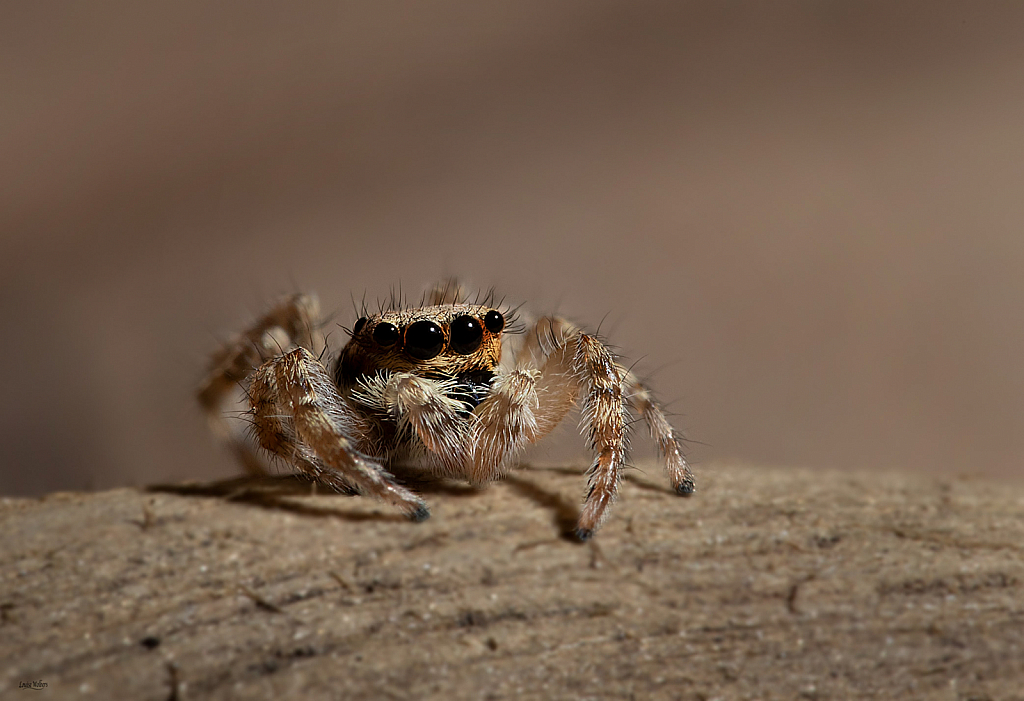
{"x": 432, "y": 387}
{"x": 457, "y": 343}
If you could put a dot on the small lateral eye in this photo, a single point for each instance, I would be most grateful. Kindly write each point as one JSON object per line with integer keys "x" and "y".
{"x": 494, "y": 321}
{"x": 424, "y": 340}
{"x": 385, "y": 334}
{"x": 360, "y": 323}
{"x": 466, "y": 334}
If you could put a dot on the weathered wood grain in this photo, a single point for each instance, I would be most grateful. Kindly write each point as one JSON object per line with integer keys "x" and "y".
{"x": 768, "y": 583}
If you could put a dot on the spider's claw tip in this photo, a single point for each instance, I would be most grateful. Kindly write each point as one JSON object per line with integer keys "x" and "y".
{"x": 421, "y": 514}
{"x": 584, "y": 534}
{"x": 686, "y": 487}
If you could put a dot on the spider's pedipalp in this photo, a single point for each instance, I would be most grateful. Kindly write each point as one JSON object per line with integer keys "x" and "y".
{"x": 506, "y": 423}
{"x": 422, "y": 405}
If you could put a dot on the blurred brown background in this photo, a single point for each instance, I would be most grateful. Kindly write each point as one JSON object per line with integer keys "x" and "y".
{"x": 809, "y": 215}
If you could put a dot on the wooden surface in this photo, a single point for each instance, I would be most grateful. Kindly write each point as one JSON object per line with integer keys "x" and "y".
{"x": 768, "y": 583}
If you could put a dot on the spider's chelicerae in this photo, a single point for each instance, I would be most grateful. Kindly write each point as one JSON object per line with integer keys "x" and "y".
{"x": 450, "y": 387}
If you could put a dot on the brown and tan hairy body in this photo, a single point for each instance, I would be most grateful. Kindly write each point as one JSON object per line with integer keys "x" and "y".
{"x": 448, "y": 387}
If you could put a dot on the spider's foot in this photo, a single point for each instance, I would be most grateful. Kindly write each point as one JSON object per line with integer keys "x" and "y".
{"x": 421, "y": 514}
{"x": 584, "y": 534}
{"x": 686, "y": 487}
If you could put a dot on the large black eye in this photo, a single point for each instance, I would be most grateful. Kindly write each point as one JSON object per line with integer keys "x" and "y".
{"x": 385, "y": 334}
{"x": 494, "y": 321}
{"x": 424, "y": 340}
{"x": 360, "y": 323}
{"x": 466, "y": 335}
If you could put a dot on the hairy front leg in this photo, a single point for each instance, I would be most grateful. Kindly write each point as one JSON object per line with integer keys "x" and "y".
{"x": 324, "y": 429}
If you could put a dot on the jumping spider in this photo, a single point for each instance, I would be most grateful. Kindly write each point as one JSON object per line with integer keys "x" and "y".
{"x": 426, "y": 386}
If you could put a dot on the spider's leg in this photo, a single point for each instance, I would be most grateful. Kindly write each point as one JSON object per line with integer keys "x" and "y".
{"x": 294, "y": 321}
{"x": 324, "y": 426}
{"x": 270, "y": 431}
{"x": 543, "y": 338}
{"x": 573, "y": 363}
{"x": 604, "y": 421}
{"x": 447, "y": 291}
{"x": 663, "y": 433}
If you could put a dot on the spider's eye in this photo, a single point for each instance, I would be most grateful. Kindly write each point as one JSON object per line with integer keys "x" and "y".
{"x": 494, "y": 321}
{"x": 466, "y": 335}
{"x": 385, "y": 334}
{"x": 424, "y": 340}
{"x": 360, "y": 323}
